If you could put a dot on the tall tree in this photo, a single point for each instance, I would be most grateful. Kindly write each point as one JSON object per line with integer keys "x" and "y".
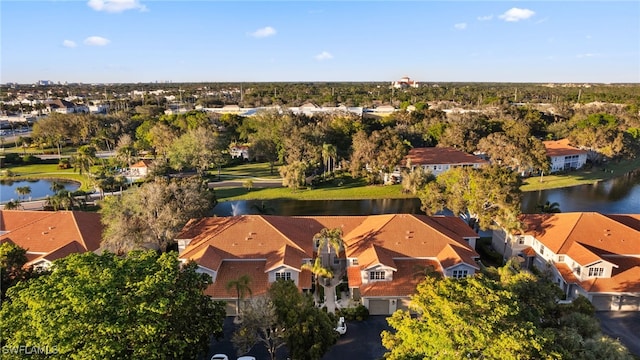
{"x": 152, "y": 214}
{"x": 197, "y": 149}
{"x": 485, "y": 197}
{"x": 12, "y": 267}
{"x": 84, "y": 158}
{"x": 242, "y": 286}
{"x": 144, "y": 305}
{"x": 23, "y": 191}
{"x": 309, "y": 330}
{"x": 260, "y": 325}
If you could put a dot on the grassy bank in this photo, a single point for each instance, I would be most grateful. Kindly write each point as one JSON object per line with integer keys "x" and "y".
{"x": 581, "y": 177}
{"x": 47, "y": 171}
{"x": 352, "y": 191}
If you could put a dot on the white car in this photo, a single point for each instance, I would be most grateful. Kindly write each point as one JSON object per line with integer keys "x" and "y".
{"x": 219, "y": 357}
{"x": 246, "y": 358}
{"x": 342, "y": 326}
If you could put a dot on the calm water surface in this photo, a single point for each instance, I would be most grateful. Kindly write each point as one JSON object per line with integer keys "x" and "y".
{"x": 616, "y": 196}
{"x": 40, "y": 189}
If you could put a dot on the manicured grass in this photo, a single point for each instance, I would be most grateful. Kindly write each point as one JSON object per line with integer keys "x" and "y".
{"x": 47, "y": 171}
{"x": 348, "y": 191}
{"x": 581, "y": 177}
{"x": 249, "y": 169}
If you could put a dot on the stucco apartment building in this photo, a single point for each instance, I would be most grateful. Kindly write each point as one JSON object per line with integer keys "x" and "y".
{"x": 563, "y": 156}
{"x": 586, "y": 253}
{"x": 440, "y": 159}
{"x": 381, "y": 256}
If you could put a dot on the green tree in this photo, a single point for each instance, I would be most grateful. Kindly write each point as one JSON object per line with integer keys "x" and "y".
{"x": 486, "y": 197}
{"x": 143, "y": 306}
{"x": 84, "y": 158}
{"x": 12, "y": 266}
{"x": 23, "y": 191}
{"x": 197, "y": 149}
{"x": 152, "y": 214}
{"x": 260, "y": 325}
{"x": 549, "y": 207}
{"x": 309, "y": 330}
{"x": 293, "y": 175}
{"x": 242, "y": 286}
{"x": 413, "y": 180}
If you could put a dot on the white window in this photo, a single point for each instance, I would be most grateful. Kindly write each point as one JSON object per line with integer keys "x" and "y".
{"x": 596, "y": 271}
{"x": 457, "y": 274}
{"x": 283, "y": 275}
{"x": 376, "y": 275}
{"x": 521, "y": 240}
{"x": 560, "y": 258}
{"x": 541, "y": 249}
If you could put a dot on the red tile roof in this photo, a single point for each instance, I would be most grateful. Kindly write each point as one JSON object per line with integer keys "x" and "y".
{"x": 404, "y": 282}
{"x": 144, "y": 163}
{"x": 441, "y": 155}
{"x": 561, "y": 148}
{"x": 51, "y": 234}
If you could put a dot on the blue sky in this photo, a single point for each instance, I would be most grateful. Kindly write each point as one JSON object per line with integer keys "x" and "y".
{"x": 105, "y": 41}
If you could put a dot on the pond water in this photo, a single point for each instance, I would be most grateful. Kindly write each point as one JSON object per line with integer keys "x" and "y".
{"x": 617, "y": 196}
{"x": 40, "y": 189}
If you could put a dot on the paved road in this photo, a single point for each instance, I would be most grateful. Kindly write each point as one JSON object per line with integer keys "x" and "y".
{"x": 622, "y": 325}
{"x": 361, "y": 342}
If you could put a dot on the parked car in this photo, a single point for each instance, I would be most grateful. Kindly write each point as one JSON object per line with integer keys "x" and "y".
{"x": 246, "y": 357}
{"x": 342, "y": 326}
{"x": 219, "y": 357}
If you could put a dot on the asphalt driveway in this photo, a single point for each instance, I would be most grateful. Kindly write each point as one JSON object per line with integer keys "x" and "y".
{"x": 622, "y": 325}
{"x": 361, "y": 342}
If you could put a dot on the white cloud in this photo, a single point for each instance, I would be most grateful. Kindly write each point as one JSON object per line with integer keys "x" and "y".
{"x": 69, "y": 44}
{"x": 96, "y": 41}
{"x": 587, "y": 55}
{"x": 116, "y": 6}
{"x": 325, "y": 55}
{"x": 517, "y": 14}
{"x": 460, "y": 26}
{"x": 264, "y": 32}
{"x": 485, "y": 18}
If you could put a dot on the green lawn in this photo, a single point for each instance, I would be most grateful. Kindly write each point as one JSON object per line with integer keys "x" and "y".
{"x": 350, "y": 190}
{"x": 581, "y": 177}
{"x": 255, "y": 170}
{"x": 47, "y": 171}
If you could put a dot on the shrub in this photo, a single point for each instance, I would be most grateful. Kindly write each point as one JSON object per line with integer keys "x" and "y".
{"x": 12, "y": 158}
{"x": 357, "y": 313}
{"x": 30, "y": 159}
{"x": 64, "y": 164}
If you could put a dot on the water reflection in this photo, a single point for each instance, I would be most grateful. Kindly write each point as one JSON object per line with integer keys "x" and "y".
{"x": 39, "y": 189}
{"x": 617, "y": 196}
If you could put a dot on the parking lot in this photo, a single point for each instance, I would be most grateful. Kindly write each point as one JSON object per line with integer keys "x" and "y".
{"x": 361, "y": 342}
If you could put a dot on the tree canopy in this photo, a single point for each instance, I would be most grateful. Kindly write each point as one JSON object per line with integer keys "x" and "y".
{"x": 504, "y": 315}
{"x": 143, "y": 306}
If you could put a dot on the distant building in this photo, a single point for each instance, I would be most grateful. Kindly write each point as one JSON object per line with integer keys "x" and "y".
{"x": 404, "y": 82}
{"x": 239, "y": 151}
{"x": 564, "y": 156}
{"x": 440, "y": 159}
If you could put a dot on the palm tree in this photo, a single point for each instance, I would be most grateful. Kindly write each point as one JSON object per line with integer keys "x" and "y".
{"x": 84, "y": 159}
{"x": 329, "y": 152}
{"x": 318, "y": 271}
{"x": 56, "y": 187}
{"x": 241, "y": 285}
{"x": 331, "y": 238}
{"x": 23, "y": 191}
{"x": 549, "y": 208}
{"x": 12, "y": 205}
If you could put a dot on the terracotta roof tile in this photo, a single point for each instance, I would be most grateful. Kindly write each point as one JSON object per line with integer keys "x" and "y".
{"x": 441, "y": 155}
{"x": 404, "y": 282}
{"x": 375, "y": 255}
{"x": 354, "y": 277}
{"x": 561, "y": 148}
{"x": 47, "y": 233}
{"x": 232, "y": 270}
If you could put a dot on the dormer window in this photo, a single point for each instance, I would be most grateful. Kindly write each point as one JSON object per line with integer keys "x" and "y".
{"x": 283, "y": 275}
{"x": 458, "y": 274}
{"x": 596, "y": 272}
{"x": 376, "y": 275}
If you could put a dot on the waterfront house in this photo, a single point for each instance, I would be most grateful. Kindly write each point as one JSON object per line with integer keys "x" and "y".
{"x": 563, "y": 156}
{"x": 381, "y": 259}
{"x": 586, "y": 253}
{"x": 440, "y": 159}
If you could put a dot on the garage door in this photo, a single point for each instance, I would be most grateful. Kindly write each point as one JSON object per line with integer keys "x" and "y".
{"x": 602, "y": 302}
{"x": 379, "y": 307}
{"x": 630, "y": 303}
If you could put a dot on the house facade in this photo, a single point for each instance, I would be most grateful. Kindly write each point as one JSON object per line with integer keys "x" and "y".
{"x": 382, "y": 255}
{"x": 563, "y": 156}
{"x": 440, "y": 159}
{"x": 586, "y": 253}
{"x": 50, "y": 235}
